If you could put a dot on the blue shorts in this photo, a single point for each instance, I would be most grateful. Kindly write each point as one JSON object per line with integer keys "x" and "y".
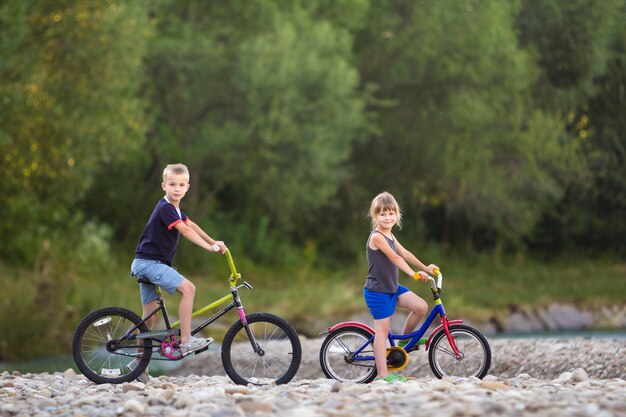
{"x": 159, "y": 274}
{"x": 382, "y": 304}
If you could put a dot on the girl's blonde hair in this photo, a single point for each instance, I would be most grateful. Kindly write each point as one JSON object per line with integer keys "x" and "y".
{"x": 384, "y": 201}
{"x": 176, "y": 169}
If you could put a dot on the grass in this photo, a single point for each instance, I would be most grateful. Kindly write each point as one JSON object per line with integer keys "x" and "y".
{"x": 40, "y": 313}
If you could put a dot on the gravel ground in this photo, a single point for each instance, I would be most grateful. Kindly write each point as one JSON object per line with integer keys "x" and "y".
{"x": 539, "y": 358}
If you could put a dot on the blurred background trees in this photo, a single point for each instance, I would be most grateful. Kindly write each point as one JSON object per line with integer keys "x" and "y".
{"x": 499, "y": 126}
{"x": 70, "y": 76}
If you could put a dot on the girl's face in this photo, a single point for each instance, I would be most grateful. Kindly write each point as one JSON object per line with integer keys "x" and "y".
{"x": 175, "y": 187}
{"x": 386, "y": 219}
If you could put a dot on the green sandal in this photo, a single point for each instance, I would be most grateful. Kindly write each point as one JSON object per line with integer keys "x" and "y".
{"x": 403, "y": 342}
{"x": 392, "y": 378}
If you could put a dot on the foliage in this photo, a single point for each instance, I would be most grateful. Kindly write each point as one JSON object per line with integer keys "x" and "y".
{"x": 570, "y": 40}
{"x": 70, "y": 72}
{"x": 464, "y": 145}
{"x": 580, "y": 48}
{"x": 264, "y": 118}
{"x": 498, "y": 125}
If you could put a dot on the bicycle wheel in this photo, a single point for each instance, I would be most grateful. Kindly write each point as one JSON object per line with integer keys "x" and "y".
{"x": 336, "y": 355}
{"x": 277, "y": 359}
{"x": 475, "y": 353}
{"x": 97, "y": 355}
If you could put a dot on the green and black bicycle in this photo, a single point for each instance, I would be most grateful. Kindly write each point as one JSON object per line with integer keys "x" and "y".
{"x": 259, "y": 348}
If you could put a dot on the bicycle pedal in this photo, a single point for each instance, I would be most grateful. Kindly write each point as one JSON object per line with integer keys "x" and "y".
{"x": 204, "y": 349}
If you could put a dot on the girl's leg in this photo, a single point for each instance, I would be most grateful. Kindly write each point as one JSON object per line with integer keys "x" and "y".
{"x": 418, "y": 309}
{"x": 185, "y": 308}
{"x": 381, "y": 327}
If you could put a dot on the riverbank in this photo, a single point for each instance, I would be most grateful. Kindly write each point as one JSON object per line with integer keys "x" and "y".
{"x": 540, "y": 358}
{"x": 70, "y": 395}
{"x": 529, "y": 377}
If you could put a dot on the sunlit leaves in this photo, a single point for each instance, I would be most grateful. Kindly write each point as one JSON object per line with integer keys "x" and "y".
{"x": 71, "y": 72}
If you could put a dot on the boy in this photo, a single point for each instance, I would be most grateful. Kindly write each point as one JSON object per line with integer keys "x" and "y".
{"x": 155, "y": 253}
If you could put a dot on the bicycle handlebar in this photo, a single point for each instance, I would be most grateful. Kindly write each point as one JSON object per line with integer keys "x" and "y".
{"x": 436, "y": 285}
{"x": 234, "y": 275}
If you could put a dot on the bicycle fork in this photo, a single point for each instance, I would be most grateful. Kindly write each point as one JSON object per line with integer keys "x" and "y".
{"x": 446, "y": 328}
{"x": 255, "y": 346}
{"x": 242, "y": 316}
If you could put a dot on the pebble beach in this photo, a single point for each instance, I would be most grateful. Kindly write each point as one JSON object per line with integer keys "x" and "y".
{"x": 529, "y": 377}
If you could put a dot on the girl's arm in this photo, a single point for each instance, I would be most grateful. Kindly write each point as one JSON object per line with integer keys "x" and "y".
{"x": 377, "y": 241}
{"x": 412, "y": 259}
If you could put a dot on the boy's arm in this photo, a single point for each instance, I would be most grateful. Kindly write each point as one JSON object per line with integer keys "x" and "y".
{"x": 412, "y": 259}
{"x": 200, "y": 232}
{"x": 195, "y": 234}
{"x": 205, "y": 236}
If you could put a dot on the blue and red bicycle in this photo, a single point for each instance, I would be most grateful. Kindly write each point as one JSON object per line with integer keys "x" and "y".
{"x": 454, "y": 349}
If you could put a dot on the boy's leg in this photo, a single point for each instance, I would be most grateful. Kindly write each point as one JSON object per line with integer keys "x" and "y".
{"x": 418, "y": 308}
{"x": 381, "y": 327}
{"x": 147, "y": 309}
{"x": 185, "y": 308}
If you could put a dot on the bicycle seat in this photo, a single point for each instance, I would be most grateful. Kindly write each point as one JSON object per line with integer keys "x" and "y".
{"x": 142, "y": 279}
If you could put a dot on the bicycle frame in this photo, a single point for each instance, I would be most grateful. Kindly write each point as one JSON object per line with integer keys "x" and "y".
{"x": 172, "y": 329}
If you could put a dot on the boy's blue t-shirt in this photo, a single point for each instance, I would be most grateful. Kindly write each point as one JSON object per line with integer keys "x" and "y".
{"x": 159, "y": 239}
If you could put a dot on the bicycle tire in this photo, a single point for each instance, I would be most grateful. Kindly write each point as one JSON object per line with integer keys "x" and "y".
{"x": 336, "y": 355}
{"x": 90, "y": 346}
{"x": 473, "y": 346}
{"x": 282, "y": 351}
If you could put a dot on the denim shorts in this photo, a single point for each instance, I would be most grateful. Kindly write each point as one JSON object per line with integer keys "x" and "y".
{"x": 382, "y": 304}
{"x": 159, "y": 274}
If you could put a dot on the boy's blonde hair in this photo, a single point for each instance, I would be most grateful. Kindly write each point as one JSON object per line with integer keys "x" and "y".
{"x": 176, "y": 169}
{"x": 384, "y": 201}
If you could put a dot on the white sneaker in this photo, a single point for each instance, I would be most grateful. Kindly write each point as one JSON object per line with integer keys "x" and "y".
{"x": 194, "y": 344}
{"x": 143, "y": 377}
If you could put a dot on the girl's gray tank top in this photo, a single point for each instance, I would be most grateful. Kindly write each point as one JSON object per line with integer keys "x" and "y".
{"x": 382, "y": 273}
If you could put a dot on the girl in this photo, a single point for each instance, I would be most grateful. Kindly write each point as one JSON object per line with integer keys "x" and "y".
{"x": 385, "y": 255}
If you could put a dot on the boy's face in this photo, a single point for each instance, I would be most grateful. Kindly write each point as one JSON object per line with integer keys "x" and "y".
{"x": 175, "y": 187}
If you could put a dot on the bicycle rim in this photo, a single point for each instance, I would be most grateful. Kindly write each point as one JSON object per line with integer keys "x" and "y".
{"x": 337, "y": 357}
{"x": 280, "y": 354}
{"x": 475, "y": 354}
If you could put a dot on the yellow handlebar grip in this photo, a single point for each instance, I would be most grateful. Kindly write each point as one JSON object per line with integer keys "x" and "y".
{"x": 437, "y": 271}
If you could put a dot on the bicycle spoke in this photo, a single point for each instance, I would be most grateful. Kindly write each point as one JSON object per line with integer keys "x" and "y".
{"x": 446, "y": 351}
{"x": 117, "y": 326}
{"x": 346, "y": 349}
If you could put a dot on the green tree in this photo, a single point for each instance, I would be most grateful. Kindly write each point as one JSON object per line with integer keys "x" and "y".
{"x": 69, "y": 72}
{"x": 261, "y": 100}
{"x": 579, "y": 47}
{"x": 569, "y": 40}
{"x": 463, "y": 146}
